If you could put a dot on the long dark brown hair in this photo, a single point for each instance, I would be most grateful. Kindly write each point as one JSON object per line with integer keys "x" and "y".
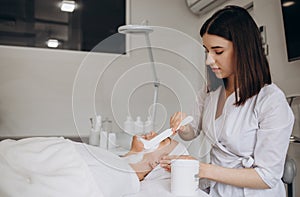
{"x": 251, "y": 67}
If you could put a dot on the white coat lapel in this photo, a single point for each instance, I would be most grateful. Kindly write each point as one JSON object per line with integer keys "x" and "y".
{"x": 209, "y": 116}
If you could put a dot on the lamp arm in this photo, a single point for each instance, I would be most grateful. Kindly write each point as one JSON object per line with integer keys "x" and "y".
{"x": 155, "y": 97}
{"x": 151, "y": 57}
{"x": 156, "y": 81}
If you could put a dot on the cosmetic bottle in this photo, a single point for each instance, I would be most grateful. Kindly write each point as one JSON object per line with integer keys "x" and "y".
{"x": 104, "y": 134}
{"x": 94, "y": 137}
{"x": 148, "y": 125}
{"x": 138, "y": 126}
{"x": 128, "y": 125}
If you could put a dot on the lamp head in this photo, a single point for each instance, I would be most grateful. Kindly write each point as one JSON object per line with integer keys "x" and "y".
{"x": 135, "y": 29}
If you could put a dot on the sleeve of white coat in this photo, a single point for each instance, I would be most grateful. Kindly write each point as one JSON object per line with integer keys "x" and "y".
{"x": 276, "y": 121}
{"x": 195, "y": 127}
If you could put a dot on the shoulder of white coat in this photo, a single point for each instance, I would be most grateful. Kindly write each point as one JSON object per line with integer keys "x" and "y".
{"x": 271, "y": 93}
{"x": 270, "y": 97}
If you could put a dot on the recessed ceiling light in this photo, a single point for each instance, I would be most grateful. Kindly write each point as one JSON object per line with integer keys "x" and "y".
{"x": 288, "y": 3}
{"x": 52, "y": 43}
{"x": 67, "y": 6}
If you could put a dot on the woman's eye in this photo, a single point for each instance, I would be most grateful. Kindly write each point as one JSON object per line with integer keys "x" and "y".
{"x": 219, "y": 52}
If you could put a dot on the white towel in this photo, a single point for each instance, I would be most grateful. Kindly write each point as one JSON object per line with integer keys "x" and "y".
{"x": 44, "y": 167}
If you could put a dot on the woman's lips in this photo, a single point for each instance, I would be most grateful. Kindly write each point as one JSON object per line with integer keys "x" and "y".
{"x": 215, "y": 69}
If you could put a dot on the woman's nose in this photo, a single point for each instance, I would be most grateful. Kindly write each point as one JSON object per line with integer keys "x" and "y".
{"x": 209, "y": 59}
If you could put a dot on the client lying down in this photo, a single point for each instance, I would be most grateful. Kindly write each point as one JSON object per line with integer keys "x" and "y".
{"x": 143, "y": 162}
{"x": 56, "y": 166}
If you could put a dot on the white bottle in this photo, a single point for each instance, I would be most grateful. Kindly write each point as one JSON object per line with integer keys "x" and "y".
{"x": 104, "y": 134}
{"x": 148, "y": 126}
{"x": 112, "y": 140}
{"x": 128, "y": 125}
{"x": 103, "y": 139}
{"x": 98, "y": 123}
{"x": 107, "y": 132}
{"x": 138, "y": 126}
{"x": 94, "y": 138}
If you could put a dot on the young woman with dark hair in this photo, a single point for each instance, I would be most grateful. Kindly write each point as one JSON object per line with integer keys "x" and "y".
{"x": 246, "y": 117}
{"x": 251, "y": 66}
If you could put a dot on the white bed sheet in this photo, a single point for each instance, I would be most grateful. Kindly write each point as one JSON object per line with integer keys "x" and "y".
{"x": 149, "y": 188}
{"x": 53, "y": 166}
{"x": 156, "y": 183}
{"x": 48, "y": 167}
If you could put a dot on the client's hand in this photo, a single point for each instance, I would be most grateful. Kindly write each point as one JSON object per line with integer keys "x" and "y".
{"x": 151, "y": 159}
{"x": 165, "y": 162}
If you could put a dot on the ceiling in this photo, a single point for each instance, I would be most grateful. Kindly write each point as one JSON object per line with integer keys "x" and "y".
{"x": 32, "y": 22}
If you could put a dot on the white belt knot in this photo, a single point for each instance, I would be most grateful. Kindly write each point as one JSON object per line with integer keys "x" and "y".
{"x": 247, "y": 162}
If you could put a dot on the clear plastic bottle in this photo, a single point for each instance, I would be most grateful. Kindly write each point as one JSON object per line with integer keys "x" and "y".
{"x": 138, "y": 126}
{"x": 105, "y": 133}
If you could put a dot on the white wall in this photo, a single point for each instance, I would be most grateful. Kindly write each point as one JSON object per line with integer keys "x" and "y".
{"x": 55, "y": 92}
{"x": 36, "y": 89}
{"x": 268, "y": 12}
{"x": 284, "y": 73}
{"x": 36, "y": 84}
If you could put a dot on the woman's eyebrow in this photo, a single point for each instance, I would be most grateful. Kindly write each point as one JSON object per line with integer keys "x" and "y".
{"x": 214, "y": 47}
{"x": 217, "y": 47}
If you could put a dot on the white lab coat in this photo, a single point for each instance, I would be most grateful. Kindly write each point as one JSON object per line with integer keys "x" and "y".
{"x": 255, "y": 135}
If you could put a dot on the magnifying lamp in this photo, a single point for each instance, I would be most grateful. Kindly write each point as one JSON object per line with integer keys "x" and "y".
{"x": 143, "y": 29}
{"x": 135, "y": 29}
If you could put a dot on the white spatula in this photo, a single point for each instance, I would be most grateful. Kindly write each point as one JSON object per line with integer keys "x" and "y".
{"x": 149, "y": 144}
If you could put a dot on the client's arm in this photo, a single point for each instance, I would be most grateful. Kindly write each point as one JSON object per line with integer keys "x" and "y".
{"x": 151, "y": 159}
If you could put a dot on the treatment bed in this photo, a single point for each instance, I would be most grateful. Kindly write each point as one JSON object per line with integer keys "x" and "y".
{"x": 55, "y": 166}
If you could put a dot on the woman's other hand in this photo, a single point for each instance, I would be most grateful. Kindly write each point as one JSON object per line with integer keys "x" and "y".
{"x": 165, "y": 162}
{"x": 175, "y": 120}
